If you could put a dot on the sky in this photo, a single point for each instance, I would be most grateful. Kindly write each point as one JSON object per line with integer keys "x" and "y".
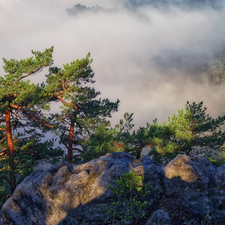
{"x": 150, "y": 58}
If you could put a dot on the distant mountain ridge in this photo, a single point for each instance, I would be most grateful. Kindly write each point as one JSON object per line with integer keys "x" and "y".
{"x": 187, "y": 4}
{"x": 134, "y": 4}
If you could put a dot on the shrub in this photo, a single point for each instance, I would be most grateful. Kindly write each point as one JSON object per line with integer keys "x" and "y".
{"x": 127, "y": 207}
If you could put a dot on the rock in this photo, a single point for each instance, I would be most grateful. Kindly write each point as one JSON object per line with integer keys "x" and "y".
{"x": 187, "y": 190}
{"x": 159, "y": 217}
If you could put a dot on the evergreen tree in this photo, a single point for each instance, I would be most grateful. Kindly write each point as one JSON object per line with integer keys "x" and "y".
{"x": 216, "y": 72}
{"x": 155, "y": 136}
{"x": 83, "y": 113}
{"x": 187, "y": 129}
{"x": 107, "y": 139}
{"x": 17, "y": 102}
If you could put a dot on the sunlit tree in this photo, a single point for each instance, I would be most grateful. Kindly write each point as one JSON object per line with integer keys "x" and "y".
{"x": 190, "y": 127}
{"x": 82, "y": 112}
{"x": 20, "y": 100}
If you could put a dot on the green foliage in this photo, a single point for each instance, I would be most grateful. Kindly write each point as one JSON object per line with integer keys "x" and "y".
{"x": 127, "y": 208}
{"x": 191, "y": 128}
{"x": 26, "y": 93}
{"x": 87, "y": 119}
{"x": 83, "y": 112}
{"x": 4, "y": 190}
{"x": 217, "y": 162}
{"x": 106, "y": 139}
{"x": 155, "y": 136}
{"x": 23, "y": 101}
{"x": 101, "y": 142}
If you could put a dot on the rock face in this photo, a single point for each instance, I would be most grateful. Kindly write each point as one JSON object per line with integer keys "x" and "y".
{"x": 188, "y": 190}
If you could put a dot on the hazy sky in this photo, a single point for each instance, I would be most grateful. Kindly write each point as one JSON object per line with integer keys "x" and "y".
{"x": 148, "y": 58}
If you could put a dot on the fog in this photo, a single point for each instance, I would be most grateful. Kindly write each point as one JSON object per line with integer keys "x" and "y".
{"x": 154, "y": 59}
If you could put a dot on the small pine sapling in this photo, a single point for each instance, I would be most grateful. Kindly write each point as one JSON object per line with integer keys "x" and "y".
{"x": 127, "y": 208}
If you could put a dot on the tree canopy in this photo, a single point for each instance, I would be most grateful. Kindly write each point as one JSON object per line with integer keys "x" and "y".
{"x": 20, "y": 100}
{"x": 189, "y": 128}
{"x": 83, "y": 112}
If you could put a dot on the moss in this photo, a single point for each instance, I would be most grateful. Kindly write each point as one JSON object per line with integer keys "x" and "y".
{"x": 67, "y": 176}
{"x": 93, "y": 176}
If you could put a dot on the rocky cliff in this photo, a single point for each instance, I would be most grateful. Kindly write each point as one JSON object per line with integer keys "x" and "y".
{"x": 188, "y": 190}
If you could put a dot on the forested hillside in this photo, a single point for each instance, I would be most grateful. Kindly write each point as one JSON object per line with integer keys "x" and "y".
{"x": 216, "y": 71}
{"x": 186, "y": 4}
{"x": 135, "y": 4}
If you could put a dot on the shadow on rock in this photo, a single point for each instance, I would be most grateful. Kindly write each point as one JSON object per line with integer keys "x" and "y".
{"x": 187, "y": 190}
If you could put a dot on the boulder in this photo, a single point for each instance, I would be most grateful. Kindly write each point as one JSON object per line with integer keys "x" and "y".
{"x": 159, "y": 217}
{"x": 187, "y": 190}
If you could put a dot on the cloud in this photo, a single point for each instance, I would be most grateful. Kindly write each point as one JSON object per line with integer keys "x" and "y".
{"x": 153, "y": 59}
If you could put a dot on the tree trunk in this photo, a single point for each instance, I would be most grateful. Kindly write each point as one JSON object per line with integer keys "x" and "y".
{"x": 138, "y": 156}
{"x": 70, "y": 151}
{"x": 10, "y": 150}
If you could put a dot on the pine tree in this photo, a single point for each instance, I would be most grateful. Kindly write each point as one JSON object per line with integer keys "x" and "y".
{"x": 189, "y": 128}
{"x": 107, "y": 139}
{"x": 203, "y": 130}
{"x": 155, "y": 136}
{"x": 192, "y": 127}
{"x": 83, "y": 113}
{"x": 17, "y": 102}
